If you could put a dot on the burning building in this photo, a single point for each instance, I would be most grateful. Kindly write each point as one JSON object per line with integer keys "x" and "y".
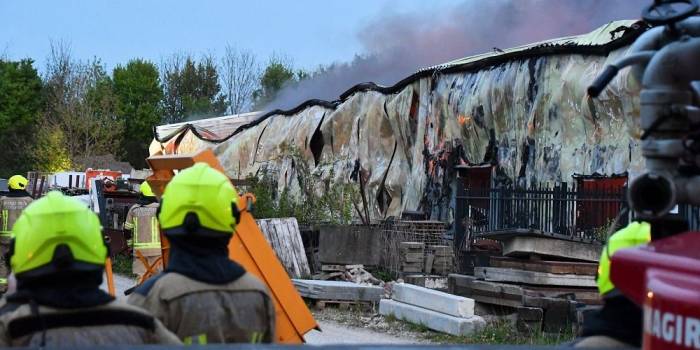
{"x": 522, "y": 112}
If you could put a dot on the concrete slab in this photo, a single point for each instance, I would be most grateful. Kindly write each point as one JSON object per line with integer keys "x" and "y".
{"x": 433, "y": 300}
{"x": 434, "y": 320}
{"x": 497, "y": 274}
{"x": 337, "y": 290}
{"x": 526, "y": 246}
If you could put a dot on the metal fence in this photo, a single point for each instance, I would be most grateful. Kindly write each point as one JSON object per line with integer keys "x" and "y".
{"x": 558, "y": 210}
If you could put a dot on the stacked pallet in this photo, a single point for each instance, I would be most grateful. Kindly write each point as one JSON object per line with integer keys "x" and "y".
{"x": 438, "y": 311}
{"x": 411, "y": 255}
{"x": 439, "y": 260}
{"x": 544, "y": 292}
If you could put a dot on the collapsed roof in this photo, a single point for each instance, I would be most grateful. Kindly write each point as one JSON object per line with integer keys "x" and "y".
{"x": 524, "y": 110}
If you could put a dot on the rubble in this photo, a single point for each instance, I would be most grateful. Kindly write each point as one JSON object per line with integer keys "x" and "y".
{"x": 350, "y": 273}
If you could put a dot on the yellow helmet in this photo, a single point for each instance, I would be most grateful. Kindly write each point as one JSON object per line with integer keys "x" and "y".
{"x": 56, "y": 233}
{"x": 633, "y": 235}
{"x": 146, "y": 190}
{"x": 199, "y": 200}
{"x": 17, "y": 182}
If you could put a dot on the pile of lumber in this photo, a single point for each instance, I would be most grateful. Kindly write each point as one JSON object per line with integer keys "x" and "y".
{"x": 285, "y": 239}
{"x": 350, "y": 273}
{"x": 439, "y": 260}
{"x": 436, "y": 310}
{"x": 536, "y": 280}
{"x": 411, "y": 256}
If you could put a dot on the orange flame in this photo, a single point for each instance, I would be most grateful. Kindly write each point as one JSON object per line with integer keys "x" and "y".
{"x": 463, "y": 119}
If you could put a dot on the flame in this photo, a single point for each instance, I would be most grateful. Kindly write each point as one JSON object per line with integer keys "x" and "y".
{"x": 463, "y": 119}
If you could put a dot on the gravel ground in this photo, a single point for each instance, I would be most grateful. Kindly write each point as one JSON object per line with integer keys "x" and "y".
{"x": 336, "y": 333}
{"x": 121, "y": 283}
{"x": 361, "y": 326}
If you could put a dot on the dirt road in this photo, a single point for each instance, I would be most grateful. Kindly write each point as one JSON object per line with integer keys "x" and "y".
{"x": 336, "y": 333}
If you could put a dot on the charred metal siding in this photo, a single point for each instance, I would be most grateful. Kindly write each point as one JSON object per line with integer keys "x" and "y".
{"x": 525, "y": 111}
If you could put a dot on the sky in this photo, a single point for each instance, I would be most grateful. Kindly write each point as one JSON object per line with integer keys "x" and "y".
{"x": 310, "y": 32}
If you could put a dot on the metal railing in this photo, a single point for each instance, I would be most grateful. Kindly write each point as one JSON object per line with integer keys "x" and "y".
{"x": 557, "y": 210}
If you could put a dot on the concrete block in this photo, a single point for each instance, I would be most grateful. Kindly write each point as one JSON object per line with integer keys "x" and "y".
{"x": 497, "y": 274}
{"x": 347, "y": 245}
{"x": 337, "y": 290}
{"x": 433, "y": 300}
{"x": 434, "y": 320}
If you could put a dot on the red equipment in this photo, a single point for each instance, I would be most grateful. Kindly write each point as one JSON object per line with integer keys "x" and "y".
{"x": 100, "y": 175}
{"x": 664, "y": 278}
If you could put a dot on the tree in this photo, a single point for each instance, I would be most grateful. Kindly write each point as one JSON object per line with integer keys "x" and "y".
{"x": 20, "y": 105}
{"x": 240, "y": 76}
{"x": 80, "y": 102}
{"x": 191, "y": 89}
{"x": 277, "y": 74}
{"x": 139, "y": 94}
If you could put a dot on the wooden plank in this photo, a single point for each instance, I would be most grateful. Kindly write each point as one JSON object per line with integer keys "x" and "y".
{"x": 485, "y": 292}
{"x": 556, "y": 267}
{"x": 285, "y": 239}
{"x": 589, "y": 296}
{"x": 553, "y": 248}
{"x": 497, "y": 274}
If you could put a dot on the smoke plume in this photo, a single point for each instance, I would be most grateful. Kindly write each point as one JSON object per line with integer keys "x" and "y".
{"x": 397, "y": 44}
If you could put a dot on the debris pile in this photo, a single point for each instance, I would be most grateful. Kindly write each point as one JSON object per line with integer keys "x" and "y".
{"x": 543, "y": 280}
{"x": 350, "y": 273}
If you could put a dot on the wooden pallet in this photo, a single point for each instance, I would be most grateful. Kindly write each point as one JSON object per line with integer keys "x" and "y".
{"x": 340, "y": 304}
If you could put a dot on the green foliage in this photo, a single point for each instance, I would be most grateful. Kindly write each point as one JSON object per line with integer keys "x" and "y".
{"x": 49, "y": 152}
{"x": 191, "y": 89}
{"x": 275, "y": 76}
{"x": 81, "y": 103}
{"x": 137, "y": 87}
{"x": 20, "y": 104}
{"x": 502, "y": 332}
{"x": 123, "y": 265}
{"x": 332, "y": 204}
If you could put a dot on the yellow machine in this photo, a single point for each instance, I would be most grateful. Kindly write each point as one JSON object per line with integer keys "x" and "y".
{"x": 248, "y": 247}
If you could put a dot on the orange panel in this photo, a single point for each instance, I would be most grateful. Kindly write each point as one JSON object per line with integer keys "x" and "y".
{"x": 249, "y": 248}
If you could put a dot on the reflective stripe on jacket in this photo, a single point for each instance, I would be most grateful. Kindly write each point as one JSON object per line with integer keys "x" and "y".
{"x": 143, "y": 223}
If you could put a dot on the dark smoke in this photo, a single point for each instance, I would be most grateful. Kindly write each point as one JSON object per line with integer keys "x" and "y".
{"x": 396, "y": 45}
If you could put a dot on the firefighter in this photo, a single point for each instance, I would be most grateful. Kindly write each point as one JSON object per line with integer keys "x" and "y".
{"x": 203, "y": 296}
{"x": 619, "y": 322}
{"x": 11, "y": 206}
{"x": 142, "y": 221}
{"x": 57, "y": 256}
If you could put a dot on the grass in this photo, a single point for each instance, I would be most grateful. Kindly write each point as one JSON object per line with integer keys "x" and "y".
{"x": 122, "y": 264}
{"x": 499, "y": 332}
